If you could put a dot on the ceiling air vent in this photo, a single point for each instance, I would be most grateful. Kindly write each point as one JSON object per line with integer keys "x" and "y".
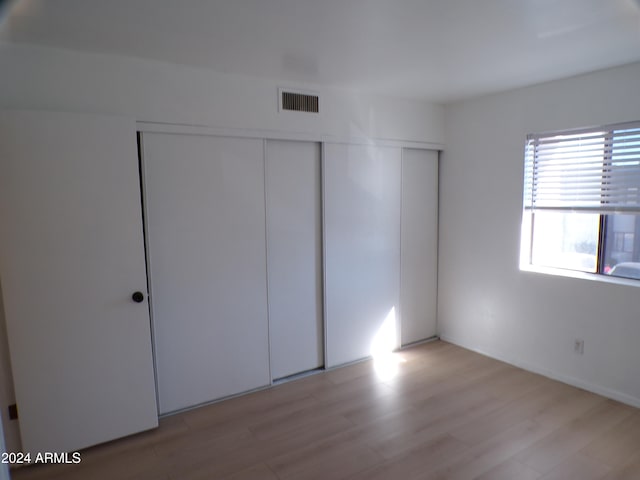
{"x": 298, "y": 102}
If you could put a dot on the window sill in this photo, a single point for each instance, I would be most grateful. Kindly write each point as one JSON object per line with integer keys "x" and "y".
{"x": 560, "y": 272}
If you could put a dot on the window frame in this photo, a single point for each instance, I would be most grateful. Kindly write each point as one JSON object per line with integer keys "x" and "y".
{"x": 610, "y": 135}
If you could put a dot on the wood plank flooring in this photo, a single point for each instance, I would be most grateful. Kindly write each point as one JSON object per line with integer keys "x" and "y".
{"x": 435, "y": 411}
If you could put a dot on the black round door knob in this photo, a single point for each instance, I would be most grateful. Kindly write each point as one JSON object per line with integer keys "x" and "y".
{"x": 137, "y": 297}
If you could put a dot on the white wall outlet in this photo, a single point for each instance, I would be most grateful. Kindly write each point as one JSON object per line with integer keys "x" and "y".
{"x": 578, "y": 346}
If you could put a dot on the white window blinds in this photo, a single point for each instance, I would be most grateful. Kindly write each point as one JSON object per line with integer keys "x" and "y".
{"x": 593, "y": 170}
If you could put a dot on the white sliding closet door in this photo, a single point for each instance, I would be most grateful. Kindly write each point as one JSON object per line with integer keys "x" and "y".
{"x": 361, "y": 186}
{"x": 205, "y": 205}
{"x": 294, "y": 245}
{"x": 419, "y": 244}
{"x": 71, "y": 256}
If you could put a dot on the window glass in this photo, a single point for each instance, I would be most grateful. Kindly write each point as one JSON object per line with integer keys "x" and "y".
{"x": 565, "y": 240}
{"x": 622, "y": 246}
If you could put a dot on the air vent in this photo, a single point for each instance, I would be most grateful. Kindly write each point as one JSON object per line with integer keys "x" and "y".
{"x": 298, "y": 102}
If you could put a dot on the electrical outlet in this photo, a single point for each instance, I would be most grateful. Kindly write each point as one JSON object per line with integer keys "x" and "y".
{"x": 578, "y": 346}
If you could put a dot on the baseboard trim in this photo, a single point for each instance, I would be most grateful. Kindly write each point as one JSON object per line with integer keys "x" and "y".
{"x": 434, "y": 338}
{"x": 569, "y": 380}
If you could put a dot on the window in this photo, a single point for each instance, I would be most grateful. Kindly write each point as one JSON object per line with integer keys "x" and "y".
{"x": 582, "y": 201}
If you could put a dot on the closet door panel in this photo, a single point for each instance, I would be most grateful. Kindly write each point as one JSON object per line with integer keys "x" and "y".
{"x": 206, "y": 248}
{"x": 362, "y": 249}
{"x": 419, "y": 244}
{"x": 294, "y": 245}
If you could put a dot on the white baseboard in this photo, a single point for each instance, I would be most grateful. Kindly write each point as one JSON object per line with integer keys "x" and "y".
{"x": 575, "y": 382}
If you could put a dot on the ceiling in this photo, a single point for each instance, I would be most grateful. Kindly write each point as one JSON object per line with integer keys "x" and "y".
{"x": 436, "y": 50}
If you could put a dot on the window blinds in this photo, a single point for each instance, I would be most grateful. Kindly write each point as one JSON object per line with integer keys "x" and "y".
{"x": 594, "y": 170}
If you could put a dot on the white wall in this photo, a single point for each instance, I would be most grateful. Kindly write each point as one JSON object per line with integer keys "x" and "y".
{"x": 485, "y": 303}
{"x": 54, "y": 79}
{"x": 43, "y": 78}
{"x": 4, "y": 468}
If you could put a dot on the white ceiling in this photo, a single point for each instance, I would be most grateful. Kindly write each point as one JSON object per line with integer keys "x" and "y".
{"x": 437, "y": 50}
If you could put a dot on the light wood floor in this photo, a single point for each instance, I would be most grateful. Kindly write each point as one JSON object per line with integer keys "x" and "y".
{"x": 447, "y": 413}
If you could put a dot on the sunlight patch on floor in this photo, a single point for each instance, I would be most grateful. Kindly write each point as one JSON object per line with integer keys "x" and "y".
{"x": 385, "y": 361}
